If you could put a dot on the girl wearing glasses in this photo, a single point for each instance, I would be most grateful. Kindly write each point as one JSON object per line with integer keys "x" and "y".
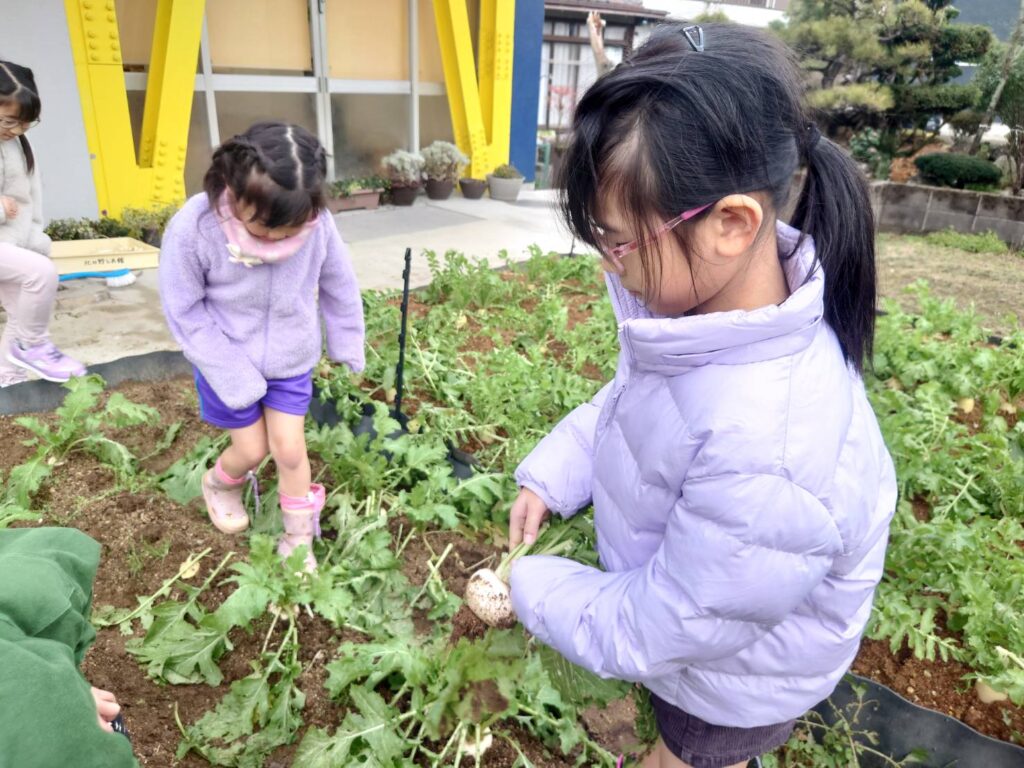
{"x": 28, "y": 279}
{"x": 742, "y": 492}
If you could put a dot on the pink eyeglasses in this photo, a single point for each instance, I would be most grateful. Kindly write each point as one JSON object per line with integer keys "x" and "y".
{"x": 614, "y": 255}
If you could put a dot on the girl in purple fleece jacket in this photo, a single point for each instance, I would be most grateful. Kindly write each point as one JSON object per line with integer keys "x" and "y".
{"x": 741, "y": 489}
{"x": 246, "y": 269}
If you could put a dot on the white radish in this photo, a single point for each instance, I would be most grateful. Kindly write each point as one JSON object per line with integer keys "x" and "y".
{"x": 475, "y": 748}
{"x": 490, "y": 599}
{"x": 988, "y": 694}
{"x": 487, "y": 592}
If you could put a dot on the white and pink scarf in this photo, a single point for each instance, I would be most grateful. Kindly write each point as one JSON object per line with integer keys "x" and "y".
{"x": 252, "y": 251}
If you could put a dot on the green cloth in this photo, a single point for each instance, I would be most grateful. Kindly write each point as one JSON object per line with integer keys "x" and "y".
{"x": 47, "y": 713}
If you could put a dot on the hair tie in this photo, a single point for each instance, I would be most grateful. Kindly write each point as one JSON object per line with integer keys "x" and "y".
{"x": 813, "y": 137}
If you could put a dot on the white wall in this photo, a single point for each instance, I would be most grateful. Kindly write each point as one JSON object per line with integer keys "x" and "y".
{"x": 34, "y": 33}
{"x": 685, "y": 10}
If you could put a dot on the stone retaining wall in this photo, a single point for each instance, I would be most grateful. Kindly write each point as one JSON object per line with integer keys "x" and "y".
{"x": 912, "y": 208}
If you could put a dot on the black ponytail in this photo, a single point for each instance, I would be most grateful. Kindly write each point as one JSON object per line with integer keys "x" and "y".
{"x": 835, "y": 210}
{"x": 692, "y": 117}
{"x": 26, "y": 148}
{"x": 18, "y": 87}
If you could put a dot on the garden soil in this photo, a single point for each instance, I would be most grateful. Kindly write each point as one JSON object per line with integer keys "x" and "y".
{"x": 146, "y": 537}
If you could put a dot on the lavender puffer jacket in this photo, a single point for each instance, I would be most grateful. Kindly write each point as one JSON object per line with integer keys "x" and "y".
{"x": 742, "y": 496}
{"x": 241, "y": 326}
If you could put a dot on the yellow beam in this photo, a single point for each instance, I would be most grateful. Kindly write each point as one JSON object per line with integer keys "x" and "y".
{"x": 158, "y": 175}
{"x": 479, "y": 95}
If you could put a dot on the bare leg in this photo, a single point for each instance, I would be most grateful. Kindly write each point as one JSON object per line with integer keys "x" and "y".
{"x": 249, "y": 446}
{"x": 286, "y": 434}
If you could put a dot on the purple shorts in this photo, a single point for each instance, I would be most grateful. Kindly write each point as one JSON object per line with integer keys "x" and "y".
{"x": 286, "y": 395}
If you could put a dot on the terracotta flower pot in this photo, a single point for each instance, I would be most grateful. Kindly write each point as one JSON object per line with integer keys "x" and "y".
{"x": 404, "y": 195}
{"x": 506, "y": 190}
{"x": 361, "y": 198}
{"x": 439, "y": 190}
{"x": 472, "y": 189}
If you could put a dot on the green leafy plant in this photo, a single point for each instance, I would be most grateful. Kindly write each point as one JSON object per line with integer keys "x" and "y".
{"x": 72, "y": 229}
{"x": 864, "y": 98}
{"x": 944, "y": 99}
{"x": 79, "y": 424}
{"x": 983, "y": 242}
{"x": 143, "y": 223}
{"x": 839, "y": 742}
{"x": 182, "y": 481}
{"x": 348, "y": 187}
{"x": 494, "y": 357}
{"x": 954, "y": 571}
{"x": 507, "y": 171}
{"x": 134, "y": 222}
{"x": 867, "y": 147}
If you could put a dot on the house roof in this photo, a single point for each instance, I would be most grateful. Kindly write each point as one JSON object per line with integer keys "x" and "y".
{"x": 611, "y": 8}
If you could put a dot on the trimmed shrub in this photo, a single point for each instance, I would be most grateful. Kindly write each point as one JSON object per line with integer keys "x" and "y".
{"x": 953, "y": 170}
{"x": 946, "y": 99}
{"x": 859, "y": 97}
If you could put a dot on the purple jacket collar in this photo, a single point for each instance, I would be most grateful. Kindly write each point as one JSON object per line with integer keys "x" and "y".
{"x": 671, "y": 346}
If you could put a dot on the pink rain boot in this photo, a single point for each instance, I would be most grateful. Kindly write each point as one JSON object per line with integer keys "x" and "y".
{"x": 301, "y": 522}
{"x": 223, "y": 495}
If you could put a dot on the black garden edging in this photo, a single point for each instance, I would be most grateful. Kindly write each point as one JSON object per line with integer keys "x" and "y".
{"x": 38, "y": 396}
{"x": 903, "y": 727}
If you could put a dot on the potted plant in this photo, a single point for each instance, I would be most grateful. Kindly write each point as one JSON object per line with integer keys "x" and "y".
{"x": 505, "y": 183}
{"x": 147, "y": 224}
{"x": 403, "y": 171}
{"x": 442, "y": 161}
{"x": 355, "y": 193}
{"x": 472, "y": 189}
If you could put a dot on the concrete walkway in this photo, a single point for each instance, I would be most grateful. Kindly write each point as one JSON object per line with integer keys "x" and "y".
{"x": 97, "y": 324}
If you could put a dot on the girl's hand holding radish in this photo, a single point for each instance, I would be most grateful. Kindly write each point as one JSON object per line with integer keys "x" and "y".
{"x": 487, "y": 592}
{"x": 10, "y": 206}
{"x": 528, "y": 513}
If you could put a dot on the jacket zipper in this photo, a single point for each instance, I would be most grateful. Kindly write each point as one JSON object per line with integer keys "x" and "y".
{"x": 266, "y": 319}
{"x": 609, "y": 410}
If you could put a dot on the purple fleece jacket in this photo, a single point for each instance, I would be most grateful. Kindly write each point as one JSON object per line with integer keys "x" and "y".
{"x": 241, "y": 326}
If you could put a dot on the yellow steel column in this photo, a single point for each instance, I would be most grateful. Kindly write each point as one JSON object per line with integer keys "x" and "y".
{"x": 481, "y": 109}
{"x": 158, "y": 175}
{"x": 170, "y": 92}
{"x": 499, "y": 113}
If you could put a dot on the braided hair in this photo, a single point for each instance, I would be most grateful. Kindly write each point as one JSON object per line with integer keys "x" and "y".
{"x": 277, "y": 168}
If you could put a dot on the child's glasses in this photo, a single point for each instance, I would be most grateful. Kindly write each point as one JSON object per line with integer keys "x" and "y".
{"x": 615, "y": 254}
{"x": 10, "y": 124}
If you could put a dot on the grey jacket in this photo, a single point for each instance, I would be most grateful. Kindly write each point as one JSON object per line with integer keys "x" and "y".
{"x": 26, "y": 229}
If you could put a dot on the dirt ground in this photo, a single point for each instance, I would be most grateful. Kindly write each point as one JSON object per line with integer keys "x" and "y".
{"x": 993, "y": 283}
